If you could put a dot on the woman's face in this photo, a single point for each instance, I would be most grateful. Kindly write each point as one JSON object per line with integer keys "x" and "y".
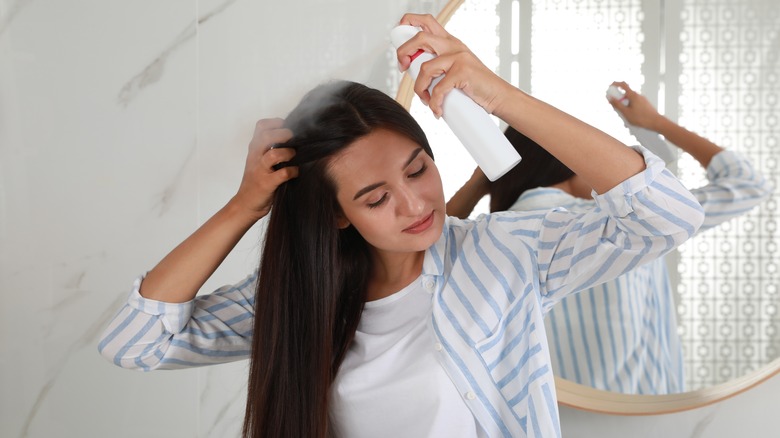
{"x": 390, "y": 190}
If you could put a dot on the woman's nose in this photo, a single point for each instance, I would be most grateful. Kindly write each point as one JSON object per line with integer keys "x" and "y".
{"x": 410, "y": 203}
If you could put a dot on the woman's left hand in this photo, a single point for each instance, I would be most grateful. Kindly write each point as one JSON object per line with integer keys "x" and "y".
{"x": 462, "y": 68}
{"x": 639, "y": 112}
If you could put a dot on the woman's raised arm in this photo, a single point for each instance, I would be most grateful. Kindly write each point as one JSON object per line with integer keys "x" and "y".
{"x": 601, "y": 160}
{"x": 179, "y": 276}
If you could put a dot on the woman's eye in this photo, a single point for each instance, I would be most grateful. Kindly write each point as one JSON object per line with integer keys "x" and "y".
{"x": 379, "y": 202}
{"x": 419, "y": 172}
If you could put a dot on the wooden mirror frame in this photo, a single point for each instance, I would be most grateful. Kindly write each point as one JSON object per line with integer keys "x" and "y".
{"x": 586, "y": 398}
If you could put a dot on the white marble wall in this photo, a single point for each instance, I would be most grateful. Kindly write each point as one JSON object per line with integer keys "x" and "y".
{"x": 123, "y": 126}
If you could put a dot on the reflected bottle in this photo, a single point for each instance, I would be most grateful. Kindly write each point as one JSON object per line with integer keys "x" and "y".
{"x": 647, "y": 138}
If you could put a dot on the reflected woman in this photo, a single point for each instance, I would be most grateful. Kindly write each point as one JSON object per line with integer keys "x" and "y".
{"x": 373, "y": 313}
{"x": 621, "y": 335}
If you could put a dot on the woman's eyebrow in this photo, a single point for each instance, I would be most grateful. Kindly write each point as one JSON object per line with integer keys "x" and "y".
{"x": 370, "y": 187}
{"x": 367, "y": 189}
{"x": 414, "y": 155}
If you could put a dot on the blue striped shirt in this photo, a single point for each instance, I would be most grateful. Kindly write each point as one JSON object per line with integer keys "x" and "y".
{"x": 495, "y": 277}
{"x": 622, "y": 335}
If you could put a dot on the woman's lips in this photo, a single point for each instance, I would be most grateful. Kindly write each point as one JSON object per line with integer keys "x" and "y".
{"x": 420, "y": 226}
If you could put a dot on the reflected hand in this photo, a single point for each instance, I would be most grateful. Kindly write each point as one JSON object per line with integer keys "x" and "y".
{"x": 639, "y": 111}
{"x": 463, "y": 69}
{"x": 261, "y": 178}
{"x": 478, "y": 182}
{"x": 466, "y": 198}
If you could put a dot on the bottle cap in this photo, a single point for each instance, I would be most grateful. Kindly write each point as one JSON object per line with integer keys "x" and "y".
{"x": 617, "y": 93}
{"x": 403, "y": 33}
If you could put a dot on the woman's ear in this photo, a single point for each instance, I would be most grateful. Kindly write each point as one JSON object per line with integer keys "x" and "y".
{"x": 342, "y": 222}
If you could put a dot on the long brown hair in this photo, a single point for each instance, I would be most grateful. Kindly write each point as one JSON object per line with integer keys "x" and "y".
{"x": 538, "y": 168}
{"x": 313, "y": 275}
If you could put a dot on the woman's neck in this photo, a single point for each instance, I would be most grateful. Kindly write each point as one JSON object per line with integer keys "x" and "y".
{"x": 392, "y": 272}
{"x": 576, "y": 187}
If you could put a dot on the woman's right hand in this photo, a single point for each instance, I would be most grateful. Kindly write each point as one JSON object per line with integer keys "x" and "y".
{"x": 462, "y": 69}
{"x": 260, "y": 180}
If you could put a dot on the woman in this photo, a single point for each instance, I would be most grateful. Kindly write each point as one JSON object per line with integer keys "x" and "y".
{"x": 621, "y": 335}
{"x": 374, "y": 313}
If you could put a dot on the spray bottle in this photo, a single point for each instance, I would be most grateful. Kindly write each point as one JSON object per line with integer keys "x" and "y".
{"x": 647, "y": 138}
{"x": 467, "y": 120}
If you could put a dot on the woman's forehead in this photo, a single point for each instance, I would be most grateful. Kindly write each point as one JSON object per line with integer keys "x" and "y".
{"x": 371, "y": 156}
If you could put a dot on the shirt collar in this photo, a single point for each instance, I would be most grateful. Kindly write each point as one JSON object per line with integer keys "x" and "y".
{"x": 541, "y": 197}
{"x": 433, "y": 264}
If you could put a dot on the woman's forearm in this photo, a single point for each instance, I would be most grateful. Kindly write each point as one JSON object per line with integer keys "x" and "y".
{"x": 180, "y": 275}
{"x": 466, "y": 198}
{"x": 699, "y": 147}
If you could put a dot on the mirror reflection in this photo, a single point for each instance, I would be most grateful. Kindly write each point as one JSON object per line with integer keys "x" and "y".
{"x": 712, "y": 316}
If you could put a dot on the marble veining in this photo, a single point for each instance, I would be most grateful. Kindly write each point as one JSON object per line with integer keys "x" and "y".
{"x": 234, "y": 404}
{"x": 165, "y": 198}
{"x": 87, "y": 339}
{"x": 36, "y": 406}
{"x": 58, "y": 307}
{"x": 12, "y": 12}
{"x": 704, "y": 423}
{"x": 154, "y": 71}
{"x": 75, "y": 281}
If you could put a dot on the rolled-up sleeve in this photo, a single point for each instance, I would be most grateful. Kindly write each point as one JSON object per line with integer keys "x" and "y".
{"x": 215, "y": 328}
{"x": 734, "y": 188}
{"x": 636, "y": 221}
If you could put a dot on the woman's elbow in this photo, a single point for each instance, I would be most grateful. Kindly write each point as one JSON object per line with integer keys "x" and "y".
{"x": 128, "y": 361}
{"x": 129, "y": 353}
{"x": 691, "y": 219}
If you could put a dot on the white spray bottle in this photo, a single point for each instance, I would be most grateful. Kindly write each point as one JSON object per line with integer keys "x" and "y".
{"x": 647, "y": 138}
{"x": 467, "y": 120}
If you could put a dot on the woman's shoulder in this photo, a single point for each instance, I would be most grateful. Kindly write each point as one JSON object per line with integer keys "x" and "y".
{"x": 488, "y": 218}
{"x": 495, "y": 223}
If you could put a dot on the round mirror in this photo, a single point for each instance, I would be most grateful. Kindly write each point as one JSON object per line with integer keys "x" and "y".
{"x": 714, "y": 80}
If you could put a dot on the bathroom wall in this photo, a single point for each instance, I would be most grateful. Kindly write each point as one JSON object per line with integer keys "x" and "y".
{"x": 123, "y": 126}
{"x": 753, "y": 413}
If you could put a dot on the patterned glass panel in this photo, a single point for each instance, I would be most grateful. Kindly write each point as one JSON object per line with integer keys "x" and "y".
{"x": 578, "y": 47}
{"x": 729, "y": 91}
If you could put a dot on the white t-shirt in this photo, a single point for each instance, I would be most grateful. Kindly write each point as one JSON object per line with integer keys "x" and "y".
{"x": 390, "y": 383}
